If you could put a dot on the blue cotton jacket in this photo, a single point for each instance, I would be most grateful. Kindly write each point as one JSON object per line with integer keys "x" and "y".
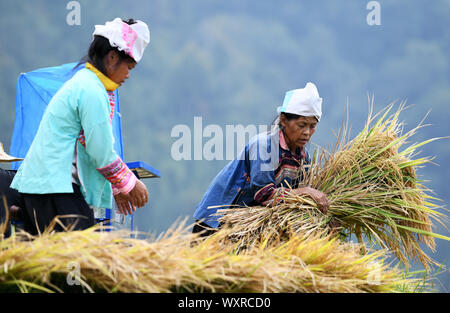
{"x": 239, "y": 181}
{"x": 81, "y": 103}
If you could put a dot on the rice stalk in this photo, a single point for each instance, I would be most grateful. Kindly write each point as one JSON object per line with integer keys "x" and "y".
{"x": 181, "y": 262}
{"x": 372, "y": 188}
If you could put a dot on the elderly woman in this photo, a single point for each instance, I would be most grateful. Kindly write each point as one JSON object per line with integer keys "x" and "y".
{"x": 250, "y": 180}
{"x": 71, "y": 165}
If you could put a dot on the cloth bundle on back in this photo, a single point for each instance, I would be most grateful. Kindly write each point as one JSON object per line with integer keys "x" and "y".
{"x": 72, "y": 165}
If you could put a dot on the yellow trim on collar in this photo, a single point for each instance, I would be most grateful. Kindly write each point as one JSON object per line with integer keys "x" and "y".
{"x": 106, "y": 81}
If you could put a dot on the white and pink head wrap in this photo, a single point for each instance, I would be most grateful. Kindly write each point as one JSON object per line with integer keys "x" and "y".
{"x": 132, "y": 39}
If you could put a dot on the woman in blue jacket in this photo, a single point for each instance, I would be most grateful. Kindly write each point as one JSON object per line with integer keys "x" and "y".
{"x": 269, "y": 165}
{"x": 71, "y": 166}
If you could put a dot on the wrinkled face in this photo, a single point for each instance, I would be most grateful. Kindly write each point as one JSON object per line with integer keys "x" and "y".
{"x": 118, "y": 70}
{"x": 298, "y": 132}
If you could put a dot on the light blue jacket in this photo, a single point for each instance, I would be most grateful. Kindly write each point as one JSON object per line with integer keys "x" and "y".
{"x": 81, "y": 103}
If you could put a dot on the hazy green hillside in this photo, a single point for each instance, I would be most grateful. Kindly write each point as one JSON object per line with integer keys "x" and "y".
{"x": 230, "y": 62}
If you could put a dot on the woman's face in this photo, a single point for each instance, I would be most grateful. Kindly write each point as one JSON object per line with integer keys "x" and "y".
{"x": 297, "y": 132}
{"x": 118, "y": 70}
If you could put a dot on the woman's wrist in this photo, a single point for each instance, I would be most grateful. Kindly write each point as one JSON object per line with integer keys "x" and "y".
{"x": 119, "y": 175}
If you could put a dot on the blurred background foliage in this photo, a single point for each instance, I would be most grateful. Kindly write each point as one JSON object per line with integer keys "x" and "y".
{"x": 230, "y": 62}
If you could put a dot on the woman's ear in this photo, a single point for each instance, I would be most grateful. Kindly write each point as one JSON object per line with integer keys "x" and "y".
{"x": 282, "y": 121}
{"x": 112, "y": 58}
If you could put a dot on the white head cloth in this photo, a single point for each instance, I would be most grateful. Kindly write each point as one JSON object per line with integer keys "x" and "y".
{"x": 304, "y": 102}
{"x": 129, "y": 38}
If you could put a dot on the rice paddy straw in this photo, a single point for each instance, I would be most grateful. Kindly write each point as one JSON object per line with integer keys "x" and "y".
{"x": 372, "y": 189}
{"x": 181, "y": 262}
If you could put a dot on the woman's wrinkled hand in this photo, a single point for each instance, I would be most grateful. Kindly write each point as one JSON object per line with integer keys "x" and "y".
{"x": 318, "y": 196}
{"x": 124, "y": 205}
{"x": 139, "y": 194}
{"x": 334, "y": 224}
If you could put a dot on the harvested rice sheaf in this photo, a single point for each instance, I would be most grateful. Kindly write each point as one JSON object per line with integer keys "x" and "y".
{"x": 287, "y": 247}
{"x": 372, "y": 189}
{"x": 182, "y": 262}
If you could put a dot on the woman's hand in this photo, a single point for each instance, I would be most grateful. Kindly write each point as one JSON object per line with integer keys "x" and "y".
{"x": 318, "y": 196}
{"x": 334, "y": 224}
{"x": 14, "y": 212}
{"x": 139, "y": 194}
{"x": 124, "y": 204}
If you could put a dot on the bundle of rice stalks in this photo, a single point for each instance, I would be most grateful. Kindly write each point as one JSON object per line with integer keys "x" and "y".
{"x": 372, "y": 189}
{"x": 180, "y": 262}
{"x": 247, "y": 226}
